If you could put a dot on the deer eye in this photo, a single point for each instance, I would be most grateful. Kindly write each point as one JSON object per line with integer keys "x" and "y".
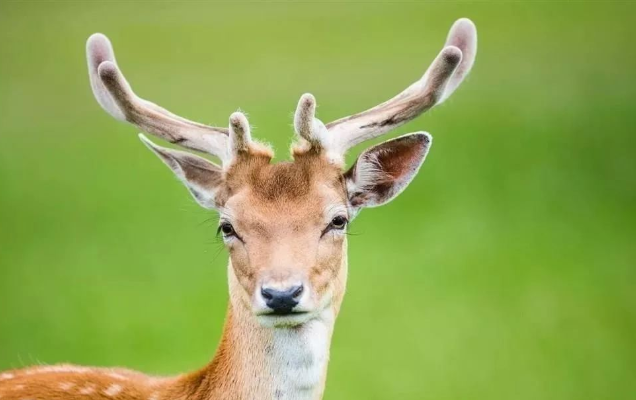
{"x": 338, "y": 222}
{"x": 226, "y": 229}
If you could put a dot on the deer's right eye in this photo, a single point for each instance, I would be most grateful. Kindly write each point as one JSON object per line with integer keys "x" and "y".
{"x": 226, "y": 229}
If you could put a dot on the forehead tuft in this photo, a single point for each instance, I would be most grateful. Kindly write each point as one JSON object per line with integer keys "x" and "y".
{"x": 285, "y": 180}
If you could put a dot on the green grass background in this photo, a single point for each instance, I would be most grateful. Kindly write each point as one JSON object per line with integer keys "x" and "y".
{"x": 506, "y": 270}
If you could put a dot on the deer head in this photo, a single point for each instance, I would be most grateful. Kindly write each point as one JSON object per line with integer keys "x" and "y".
{"x": 284, "y": 224}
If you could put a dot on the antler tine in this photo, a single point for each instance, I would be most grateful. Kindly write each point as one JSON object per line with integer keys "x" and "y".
{"x": 241, "y": 142}
{"x": 314, "y": 137}
{"x": 116, "y": 97}
{"x": 463, "y": 35}
{"x": 306, "y": 125}
{"x": 240, "y": 135}
{"x": 444, "y": 75}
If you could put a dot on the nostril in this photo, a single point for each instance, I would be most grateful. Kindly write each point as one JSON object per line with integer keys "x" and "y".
{"x": 267, "y": 294}
{"x": 298, "y": 291}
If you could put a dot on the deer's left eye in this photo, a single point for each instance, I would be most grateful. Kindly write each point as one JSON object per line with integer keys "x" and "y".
{"x": 338, "y": 222}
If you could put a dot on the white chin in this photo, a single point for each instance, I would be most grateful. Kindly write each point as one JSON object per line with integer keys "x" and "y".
{"x": 284, "y": 321}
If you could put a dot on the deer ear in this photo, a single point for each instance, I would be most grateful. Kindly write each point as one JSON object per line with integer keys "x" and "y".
{"x": 385, "y": 170}
{"x": 200, "y": 176}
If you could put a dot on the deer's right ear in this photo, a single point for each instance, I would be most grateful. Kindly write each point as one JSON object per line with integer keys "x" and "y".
{"x": 202, "y": 178}
{"x": 385, "y": 170}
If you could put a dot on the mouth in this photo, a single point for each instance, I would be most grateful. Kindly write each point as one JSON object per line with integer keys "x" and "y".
{"x": 287, "y": 319}
{"x": 283, "y": 313}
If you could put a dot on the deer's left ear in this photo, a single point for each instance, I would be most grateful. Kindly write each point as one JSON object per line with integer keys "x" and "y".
{"x": 385, "y": 170}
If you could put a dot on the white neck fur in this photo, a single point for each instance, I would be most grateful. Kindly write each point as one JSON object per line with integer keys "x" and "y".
{"x": 299, "y": 358}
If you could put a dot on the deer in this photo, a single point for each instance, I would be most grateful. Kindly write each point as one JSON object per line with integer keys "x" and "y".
{"x": 284, "y": 226}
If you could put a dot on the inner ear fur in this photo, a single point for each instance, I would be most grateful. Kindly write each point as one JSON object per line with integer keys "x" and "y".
{"x": 383, "y": 171}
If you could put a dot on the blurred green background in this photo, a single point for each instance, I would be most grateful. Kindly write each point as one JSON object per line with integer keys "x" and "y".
{"x": 506, "y": 270}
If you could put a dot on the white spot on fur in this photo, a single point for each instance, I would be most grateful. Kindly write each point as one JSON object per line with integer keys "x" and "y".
{"x": 113, "y": 390}
{"x": 66, "y": 385}
{"x": 117, "y": 376}
{"x": 6, "y": 375}
{"x": 153, "y": 397}
{"x": 153, "y": 380}
{"x": 18, "y": 387}
{"x": 88, "y": 389}
{"x": 57, "y": 369}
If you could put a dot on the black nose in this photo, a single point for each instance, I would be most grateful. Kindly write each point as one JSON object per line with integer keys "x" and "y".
{"x": 282, "y": 301}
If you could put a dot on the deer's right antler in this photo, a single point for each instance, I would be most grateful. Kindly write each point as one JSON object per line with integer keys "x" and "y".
{"x": 115, "y": 95}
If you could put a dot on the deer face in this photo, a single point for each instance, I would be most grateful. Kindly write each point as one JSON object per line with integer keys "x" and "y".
{"x": 284, "y": 224}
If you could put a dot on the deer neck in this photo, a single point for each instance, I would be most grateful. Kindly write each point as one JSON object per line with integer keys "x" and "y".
{"x": 256, "y": 362}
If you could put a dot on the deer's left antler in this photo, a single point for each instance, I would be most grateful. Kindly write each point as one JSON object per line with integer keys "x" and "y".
{"x": 441, "y": 79}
